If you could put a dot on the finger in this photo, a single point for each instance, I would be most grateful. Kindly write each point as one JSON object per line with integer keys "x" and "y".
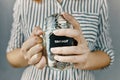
{"x": 32, "y": 51}
{"x": 42, "y": 63}
{"x": 69, "y": 50}
{"x": 70, "y": 59}
{"x": 30, "y": 43}
{"x": 74, "y": 22}
{"x": 37, "y": 31}
{"x": 35, "y": 59}
{"x": 70, "y": 33}
{"x": 67, "y": 32}
{"x": 71, "y": 20}
{"x": 80, "y": 65}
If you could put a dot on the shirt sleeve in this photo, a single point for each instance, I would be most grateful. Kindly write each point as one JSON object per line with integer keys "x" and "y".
{"x": 16, "y": 37}
{"x": 103, "y": 41}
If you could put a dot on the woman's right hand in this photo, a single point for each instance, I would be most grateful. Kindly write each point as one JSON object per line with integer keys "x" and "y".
{"x": 32, "y": 49}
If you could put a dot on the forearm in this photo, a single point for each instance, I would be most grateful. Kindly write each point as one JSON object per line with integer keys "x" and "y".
{"x": 97, "y": 60}
{"x": 16, "y": 59}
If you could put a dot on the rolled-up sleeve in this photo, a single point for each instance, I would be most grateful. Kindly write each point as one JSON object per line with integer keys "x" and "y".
{"x": 16, "y": 37}
{"x": 104, "y": 41}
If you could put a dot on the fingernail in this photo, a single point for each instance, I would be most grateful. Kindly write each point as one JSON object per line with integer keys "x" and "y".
{"x": 55, "y": 32}
{"x": 29, "y": 62}
{"x": 38, "y": 32}
{"x": 65, "y": 13}
{"x": 52, "y": 49}
{"x": 62, "y": 13}
{"x": 55, "y": 57}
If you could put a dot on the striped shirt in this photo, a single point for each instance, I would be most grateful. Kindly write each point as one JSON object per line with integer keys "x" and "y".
{"x": 92, "y": 16}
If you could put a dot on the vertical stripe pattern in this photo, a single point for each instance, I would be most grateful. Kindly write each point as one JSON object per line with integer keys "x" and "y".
{"x": 92, "y": 16}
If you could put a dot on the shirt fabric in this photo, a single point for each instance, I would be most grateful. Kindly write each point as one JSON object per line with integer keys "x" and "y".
{"x": 92, "y": 16}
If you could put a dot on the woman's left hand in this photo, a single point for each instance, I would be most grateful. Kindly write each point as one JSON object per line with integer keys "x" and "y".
{"x": 76, "y": 54}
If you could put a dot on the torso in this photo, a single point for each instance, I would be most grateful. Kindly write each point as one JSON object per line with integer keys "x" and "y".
{"x": 86, "y": 13}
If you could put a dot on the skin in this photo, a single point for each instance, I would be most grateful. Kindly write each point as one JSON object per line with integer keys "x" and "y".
{"x": 82, "y": 58}
{"x": 59, "y": 1}
{"x": 30, "y": 53}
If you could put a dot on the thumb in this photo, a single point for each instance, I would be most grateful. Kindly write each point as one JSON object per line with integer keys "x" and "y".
{"x": 37, "y": 31}
{"x": 71, "y": 20}
{"x": 42, "y": 63}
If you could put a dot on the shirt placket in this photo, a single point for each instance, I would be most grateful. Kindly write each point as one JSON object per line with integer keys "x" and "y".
{"x": 60, "y": 6}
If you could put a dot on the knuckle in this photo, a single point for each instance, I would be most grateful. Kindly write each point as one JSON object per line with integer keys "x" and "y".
{"x": 83, "y": 60}
{"x": 35, "y": 28}
{"x": 77, "y": 23}
{"x": 39, "y": 46}
{"x": 27, "y": 56}
{"x": 23, "y": 50}
{"x": 30, "y": 54}
{"x": 77, "y": 33}
{"x": 38, "y": 56}
{"x": 23, "y": 45}
{"x": 35, "y": 38}
{"x": 39, "y": 67}
{"x": 36, "y": 61}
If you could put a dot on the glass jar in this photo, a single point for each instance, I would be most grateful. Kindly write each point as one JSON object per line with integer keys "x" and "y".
{"x": 55, "y": 22}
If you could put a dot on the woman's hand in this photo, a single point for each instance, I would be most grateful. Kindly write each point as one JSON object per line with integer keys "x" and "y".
{"x": 76, "y": 54}
{"x": 32, "y": 49}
